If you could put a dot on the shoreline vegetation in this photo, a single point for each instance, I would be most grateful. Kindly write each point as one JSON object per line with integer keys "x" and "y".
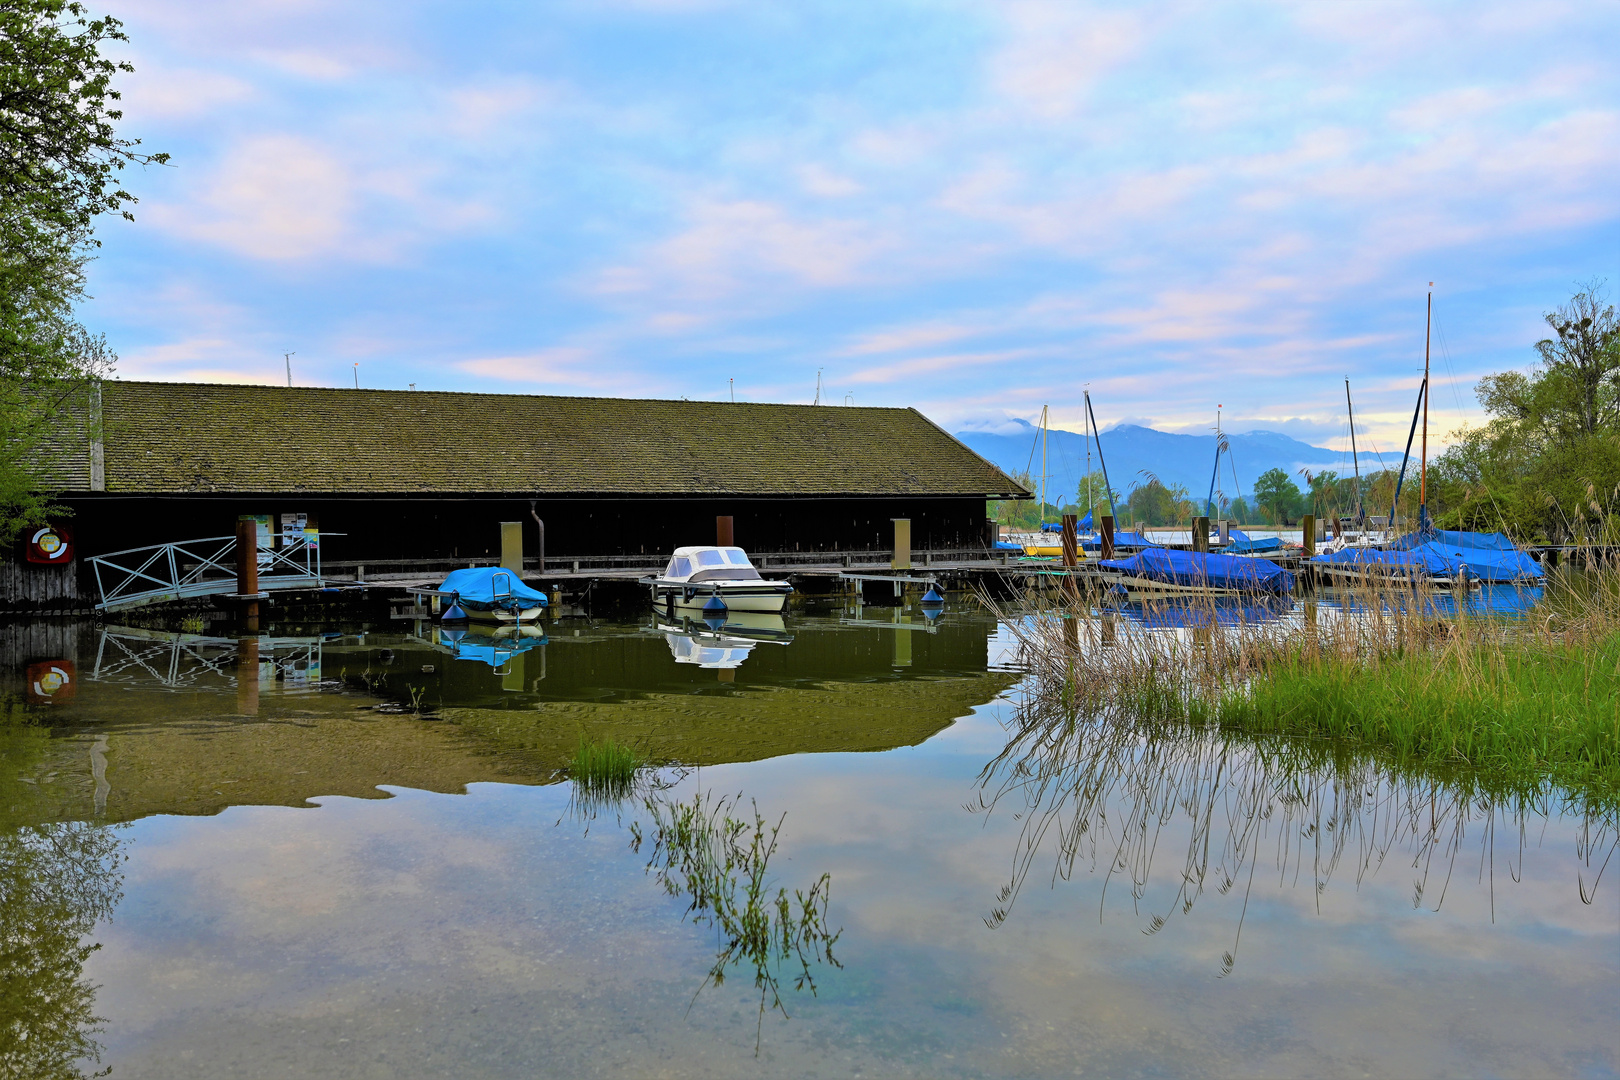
{"x": 1527, "y": 700}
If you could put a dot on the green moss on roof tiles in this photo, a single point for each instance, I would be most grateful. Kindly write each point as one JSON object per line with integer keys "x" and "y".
{"x": 190, "y": 437}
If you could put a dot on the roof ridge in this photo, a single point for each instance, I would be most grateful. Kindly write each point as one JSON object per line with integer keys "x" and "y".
{"x": 498, "y": 394}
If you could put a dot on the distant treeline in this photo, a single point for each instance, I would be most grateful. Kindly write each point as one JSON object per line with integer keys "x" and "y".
{"x": 1545, "y": 466}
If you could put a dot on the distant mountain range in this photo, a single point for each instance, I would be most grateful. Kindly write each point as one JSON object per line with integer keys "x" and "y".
{"x": 1132, "y": 451}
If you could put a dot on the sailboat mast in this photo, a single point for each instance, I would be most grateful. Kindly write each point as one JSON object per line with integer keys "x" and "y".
{"x": 1046, "y": 434}
{"x": 1423, "y": 467}
{"x": 1102, "y": 462}
{"x": 1354, "y": 460}
{"x": 1091, "y": 503}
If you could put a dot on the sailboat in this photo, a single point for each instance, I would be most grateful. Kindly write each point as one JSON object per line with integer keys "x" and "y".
{"x": 1040, "y": 547}
{"x": 1439, "y": 558}
{"x": 1361, "y": 536}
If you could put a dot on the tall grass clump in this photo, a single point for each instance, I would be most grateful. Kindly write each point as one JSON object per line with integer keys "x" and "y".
{"x": 1526, "y": 702}
{"x": 605, "y": 769}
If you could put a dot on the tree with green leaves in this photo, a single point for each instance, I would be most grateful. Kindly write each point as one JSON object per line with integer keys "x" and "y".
{"x": 61, "y": 164}
{"x": 1547, "y": 463}
{"x": 1277, "y": 496}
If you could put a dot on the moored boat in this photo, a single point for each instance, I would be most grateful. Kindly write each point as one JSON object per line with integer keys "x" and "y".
{"x": 1166, "y": 572}
{"x": 696, "y": 576}
{"x": 491, "y": 593}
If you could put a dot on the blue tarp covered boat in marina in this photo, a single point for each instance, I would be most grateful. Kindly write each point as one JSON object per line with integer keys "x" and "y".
{"x": 1243, "y": 544}
{"x": 1437, "y": 555}
{"x": 1194, "y": 570}
{"x": 486, "y": 590}
{"x": 1488, "y": 557}
{"x": 1123, "y": 541}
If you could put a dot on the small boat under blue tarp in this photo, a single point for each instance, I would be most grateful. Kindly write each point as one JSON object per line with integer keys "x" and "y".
{"x": 1439, "y": 556}
{"x": 1163, "y": 570}
{"x": 1123, "y": 541}
{"x": 1363, "y": 564}
{"x": 1489, "y": 557}
{"x": 490, "y": 592}
{"x": 1243, "y": 544}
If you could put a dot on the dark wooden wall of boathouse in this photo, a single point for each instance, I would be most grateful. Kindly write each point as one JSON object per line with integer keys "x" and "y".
{"x": 436, "y": 527}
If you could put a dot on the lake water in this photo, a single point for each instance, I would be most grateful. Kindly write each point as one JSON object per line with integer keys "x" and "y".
{"x": 280, "y": 881}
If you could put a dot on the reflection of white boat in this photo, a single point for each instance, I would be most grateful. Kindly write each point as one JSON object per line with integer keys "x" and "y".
{"x": 695, "y": 575}
{"x": 723, "y": 645}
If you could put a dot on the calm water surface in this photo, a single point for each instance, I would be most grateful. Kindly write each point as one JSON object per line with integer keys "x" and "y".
{"x": 284, "y": 882}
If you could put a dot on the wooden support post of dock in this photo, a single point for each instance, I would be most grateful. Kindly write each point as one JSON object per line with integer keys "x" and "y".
{"x": 1307, "y": 527}
{"x": 902, "y": 544}
{"x": 512, "y": 546}
{"x": 247, "y": 557}
{"x": 1071, "y": 541}
{"x": 1107, "y": 532}
{"x": 1224, "y": 530}
{"x": 723, "y": 534}
{"x": 1201, "y": 534}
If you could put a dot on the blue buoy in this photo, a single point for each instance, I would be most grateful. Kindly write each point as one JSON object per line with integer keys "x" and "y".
{"x": 714, "y": 606}
{"x": 932, "y": 597}
{"x": 453, "y": 613}
{"x": 714, "y": 622}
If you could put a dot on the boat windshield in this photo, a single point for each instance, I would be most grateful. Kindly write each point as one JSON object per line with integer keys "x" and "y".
{"x": 737, "y": 557}
{"x": 711, "y": 557}
{"x": 679, "y": 566}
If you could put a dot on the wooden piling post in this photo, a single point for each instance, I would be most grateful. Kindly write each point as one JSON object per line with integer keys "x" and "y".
{"x": 902, "y": 544}
{"x": 1071, "y": 541}
{"x": 247, "y": 557}
{"x": 512, "y": 546}
{"x": 723, "y": 535}
{"x": 1200, "y": 534}
{"x": 1107, "y": 532}
{"x": 1308, "y": 534}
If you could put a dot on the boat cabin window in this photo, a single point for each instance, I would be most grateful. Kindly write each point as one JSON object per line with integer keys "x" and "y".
{"x": 680, "y": 566}
{"x": 737, "y": 556}
{"x": 711, "y": 557}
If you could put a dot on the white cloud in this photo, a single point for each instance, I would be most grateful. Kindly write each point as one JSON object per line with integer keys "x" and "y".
{"x": 273, "y": 197}
{"x": 1057, "y": 50}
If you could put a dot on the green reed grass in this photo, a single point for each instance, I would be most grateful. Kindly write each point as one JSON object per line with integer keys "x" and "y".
{"x": 1534, "y": 697}
{"x": 1490, "y": 700}
{"x": 604, "y": 768}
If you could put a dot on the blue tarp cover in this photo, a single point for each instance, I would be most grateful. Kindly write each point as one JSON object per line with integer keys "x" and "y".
{"x": 1417, "y": 562}
{"x": 1008, "y": 545}
{"x": 1209, "y": 571}
{"x": 478, "y": 587}
{"x": 1486, "y": 556}
{"x": 1489, "y": 557}
{"x": 1121, "y": 540}
{"x": 1242, "y": 542}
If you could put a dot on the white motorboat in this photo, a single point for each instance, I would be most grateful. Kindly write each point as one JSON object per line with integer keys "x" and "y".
{"x": 696, "y": 576}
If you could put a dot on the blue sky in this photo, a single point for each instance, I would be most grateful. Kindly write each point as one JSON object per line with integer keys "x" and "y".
{"x": 976, "y": 209}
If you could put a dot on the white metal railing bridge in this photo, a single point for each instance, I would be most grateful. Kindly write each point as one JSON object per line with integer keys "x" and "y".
{"x": 207, "y": 567}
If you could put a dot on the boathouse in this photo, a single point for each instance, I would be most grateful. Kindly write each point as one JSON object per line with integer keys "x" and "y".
{"x": 418, "y": 475}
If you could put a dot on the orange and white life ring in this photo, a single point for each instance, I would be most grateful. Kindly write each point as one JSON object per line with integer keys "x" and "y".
{"x": 50, "y": 544}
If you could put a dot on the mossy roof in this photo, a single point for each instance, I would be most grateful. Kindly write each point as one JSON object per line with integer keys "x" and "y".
{"x": 193, "y": 437}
